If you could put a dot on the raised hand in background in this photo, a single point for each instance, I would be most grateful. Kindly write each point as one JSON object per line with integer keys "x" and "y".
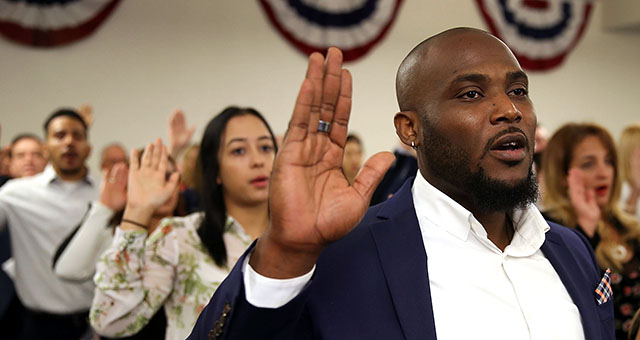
{"x": 583, "y": 200}
{"x": 149, "y": 185}
{"x": 179, "y": 134}
{"x": 113, "y": 189}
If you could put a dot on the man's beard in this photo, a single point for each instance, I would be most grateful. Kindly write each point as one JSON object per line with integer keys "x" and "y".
{"x": 452, "y": 164}
{"x": 72, "y": 171}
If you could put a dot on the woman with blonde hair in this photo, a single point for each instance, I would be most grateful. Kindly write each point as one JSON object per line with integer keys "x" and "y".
{"x": 583, "y": 189}
{"x": 629, "y": 152}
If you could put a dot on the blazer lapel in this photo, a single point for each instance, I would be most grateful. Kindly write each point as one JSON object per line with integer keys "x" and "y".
{"x": 404, "y": 262}
{"x": 563, "y": 261}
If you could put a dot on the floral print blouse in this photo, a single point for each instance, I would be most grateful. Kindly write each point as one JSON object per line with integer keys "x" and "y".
{"x": 137, "y": 275}
{"x": 626, "y": 293}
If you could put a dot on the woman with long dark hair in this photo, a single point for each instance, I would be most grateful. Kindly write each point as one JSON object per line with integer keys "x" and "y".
{"x": 180, "y": 265}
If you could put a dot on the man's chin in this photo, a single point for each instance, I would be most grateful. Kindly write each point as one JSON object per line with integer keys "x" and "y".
{"x": 70, "y": 171}
{"x": 502, "y": 194}
{"x": 509, "y": 183}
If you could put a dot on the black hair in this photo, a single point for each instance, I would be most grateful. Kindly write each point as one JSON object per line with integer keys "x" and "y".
{"x": 353, "y": 138}
{"x": 212, "y": 226}
{"x": 64, "y": 112}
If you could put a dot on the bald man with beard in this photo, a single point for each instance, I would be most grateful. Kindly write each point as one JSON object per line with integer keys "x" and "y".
{"x": 459, "y": 252}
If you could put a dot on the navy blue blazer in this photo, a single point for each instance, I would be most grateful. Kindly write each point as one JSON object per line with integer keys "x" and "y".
{"x": 374, "y": 284}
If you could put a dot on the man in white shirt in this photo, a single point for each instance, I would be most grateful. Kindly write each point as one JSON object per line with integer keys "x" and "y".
{"x": 26, "y": 155}
{"x": 460, "y": 252}
{"x": 40, "y": 211}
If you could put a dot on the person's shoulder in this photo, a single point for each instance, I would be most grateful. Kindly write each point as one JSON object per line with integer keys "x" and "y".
{"x": 179, "y": 225}
{"x": 4, "y": 179}
{"x": 577, "y": 244}
{"x": 20, "y": 185}
{"x": 567, "y": 234}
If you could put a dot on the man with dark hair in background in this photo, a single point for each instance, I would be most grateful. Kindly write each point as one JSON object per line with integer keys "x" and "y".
{"x": 459, "y": 252}
{"x": 41, "y": 211}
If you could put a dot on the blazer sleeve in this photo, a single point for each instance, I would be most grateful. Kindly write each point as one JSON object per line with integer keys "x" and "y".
{"x": 230, "y": 316}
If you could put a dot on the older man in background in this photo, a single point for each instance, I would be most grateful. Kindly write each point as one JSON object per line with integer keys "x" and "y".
{"x": 27, "y": 156}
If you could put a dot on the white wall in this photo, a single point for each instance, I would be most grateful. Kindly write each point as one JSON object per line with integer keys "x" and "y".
{"x": 202, "y": 55}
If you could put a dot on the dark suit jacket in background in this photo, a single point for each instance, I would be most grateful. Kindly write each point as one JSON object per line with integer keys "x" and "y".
{"x": 374, "y": 284}
{"x": 404, "y": 167}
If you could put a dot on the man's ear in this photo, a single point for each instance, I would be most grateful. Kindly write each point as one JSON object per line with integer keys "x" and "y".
{"x": 408, "y": 127}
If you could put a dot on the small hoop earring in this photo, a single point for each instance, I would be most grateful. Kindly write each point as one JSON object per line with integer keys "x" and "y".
{"x": 413, "y": 145}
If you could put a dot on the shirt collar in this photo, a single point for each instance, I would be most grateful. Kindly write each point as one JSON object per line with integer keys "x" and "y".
{"x": 232, "y": 226}
{"x": 433, "y": 205}
{"x": 49, "y": 175}
{"x": 440, "y": 209}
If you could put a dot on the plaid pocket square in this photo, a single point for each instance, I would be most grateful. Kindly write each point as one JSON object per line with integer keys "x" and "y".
{"x": 603, "y": 291}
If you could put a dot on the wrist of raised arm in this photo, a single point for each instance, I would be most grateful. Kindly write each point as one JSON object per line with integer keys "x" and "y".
{"x": 277, "y": 261}
{"x": 108, "y": 204}
{"x": 588, "y": 226}
{"x": 139, "y": 215}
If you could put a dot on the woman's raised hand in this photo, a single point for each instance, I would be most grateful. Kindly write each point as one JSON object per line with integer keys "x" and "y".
{"x": 149, "y": 185}
{"x": 311, "y": 201}
{"x": 113, "y": 190}
{"x": 583, "y": 200}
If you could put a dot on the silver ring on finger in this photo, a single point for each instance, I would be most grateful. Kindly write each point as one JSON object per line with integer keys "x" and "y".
{"x": 324, "y": 126}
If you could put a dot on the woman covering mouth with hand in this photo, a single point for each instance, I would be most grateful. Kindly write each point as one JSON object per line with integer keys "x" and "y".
{"x": 580, "y": 169}
{"x": 182, "y": 262}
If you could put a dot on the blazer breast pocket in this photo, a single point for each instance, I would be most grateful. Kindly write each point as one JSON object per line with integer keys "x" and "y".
{"x": 605, "y": 310}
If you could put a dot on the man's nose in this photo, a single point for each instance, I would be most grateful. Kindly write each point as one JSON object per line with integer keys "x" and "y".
{"x": 505, "y": 111}
{"x": 68, "y": 139}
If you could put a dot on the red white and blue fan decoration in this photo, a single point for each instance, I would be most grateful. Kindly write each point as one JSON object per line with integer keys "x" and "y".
{"x": 540, "y": 33}
{"x": 48, "y": 23}
{"x": 355, "y": 26}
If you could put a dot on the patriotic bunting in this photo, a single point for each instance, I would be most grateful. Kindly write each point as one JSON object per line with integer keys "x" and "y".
{"x": 355, "y": 26}
{"x": 540, "y": 33}
{"x": 48, "y": 23}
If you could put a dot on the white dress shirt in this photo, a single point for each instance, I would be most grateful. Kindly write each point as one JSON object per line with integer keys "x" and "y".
{"x": 477, "y": 290}
{"x": 481, "y": 292}
{"x": 40, "y": 212}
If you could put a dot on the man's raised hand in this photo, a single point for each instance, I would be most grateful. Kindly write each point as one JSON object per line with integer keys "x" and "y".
{"x": 311, "y": 201}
